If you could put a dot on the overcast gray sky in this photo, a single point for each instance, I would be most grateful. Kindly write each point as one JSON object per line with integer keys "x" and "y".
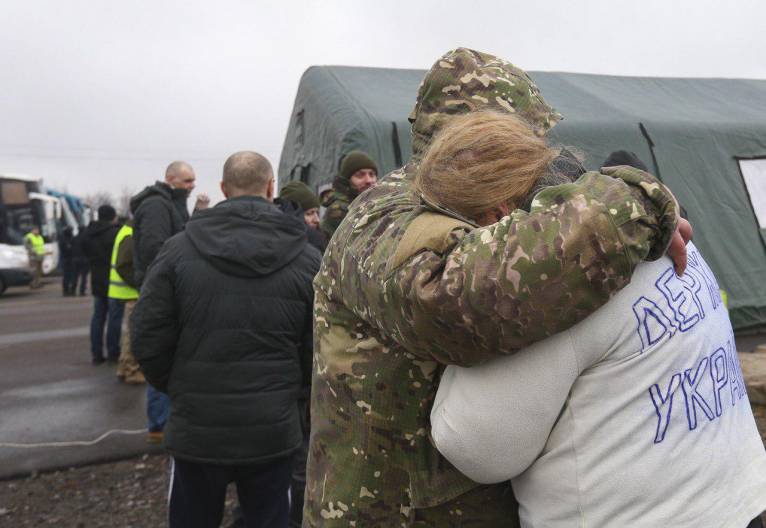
{"x": 101, "y": 95}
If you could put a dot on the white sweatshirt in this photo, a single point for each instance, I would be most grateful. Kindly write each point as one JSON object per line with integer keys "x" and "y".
{"x": 636, "y": 417}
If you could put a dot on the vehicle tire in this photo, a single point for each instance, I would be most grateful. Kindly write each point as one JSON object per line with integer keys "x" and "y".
{"x": 2, "y": 285}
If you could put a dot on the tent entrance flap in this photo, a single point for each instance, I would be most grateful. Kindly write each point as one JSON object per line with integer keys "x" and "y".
{"x": 645, "y": 133}
{"x": 396, "y": 145}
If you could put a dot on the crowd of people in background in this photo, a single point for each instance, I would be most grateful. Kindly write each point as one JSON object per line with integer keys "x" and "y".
{"x": 261, "y": 253}
{"x": 74, "y": 264}
{"x": 324, "y": 358}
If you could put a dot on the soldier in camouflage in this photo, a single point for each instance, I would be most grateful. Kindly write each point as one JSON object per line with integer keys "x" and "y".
{"x": 358, "y": 172}
{"x": 406, "y": 287}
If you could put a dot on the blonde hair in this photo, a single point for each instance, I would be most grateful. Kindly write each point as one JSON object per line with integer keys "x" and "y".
{"x": 481, "y": 160}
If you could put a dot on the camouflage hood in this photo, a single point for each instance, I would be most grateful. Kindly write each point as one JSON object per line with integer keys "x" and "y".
{"x": 465, "y": 80}
{"x": 343, "y": 187}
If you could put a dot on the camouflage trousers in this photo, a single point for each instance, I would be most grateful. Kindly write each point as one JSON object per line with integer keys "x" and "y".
{"x": 127, "y": 366}
{"x": 483, "y": 507}
{"x": 36, "y": 265}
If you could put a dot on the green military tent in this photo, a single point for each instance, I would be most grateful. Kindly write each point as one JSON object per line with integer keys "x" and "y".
{"x": 705, "y": 138}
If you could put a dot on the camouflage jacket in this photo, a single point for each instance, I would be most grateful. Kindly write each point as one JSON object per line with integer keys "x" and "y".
{"x": 336, "y": 205}
{"x": 389, "y": 310}
{"x": 405, "y": 288}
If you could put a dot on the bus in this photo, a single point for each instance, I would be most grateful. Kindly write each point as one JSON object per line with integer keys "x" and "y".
{"x": 22, "y": 206}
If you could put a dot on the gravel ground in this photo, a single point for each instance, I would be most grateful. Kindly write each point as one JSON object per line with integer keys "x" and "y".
{"x": 127, "y": 494}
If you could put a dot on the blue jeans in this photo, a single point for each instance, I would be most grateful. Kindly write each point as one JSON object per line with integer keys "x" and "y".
{"x": 157, "y": 409}
{"x": 106, "y": 312}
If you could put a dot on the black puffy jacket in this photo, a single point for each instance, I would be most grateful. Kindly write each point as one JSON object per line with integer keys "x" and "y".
{"x": 97, "y": 244}
{"x": 159, "y": 212}
{"x": 223, "y": 325}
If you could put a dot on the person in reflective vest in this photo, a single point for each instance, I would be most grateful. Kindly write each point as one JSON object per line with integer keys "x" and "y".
{"x": 122, "y": 288}
{"x": 35, "y": 245}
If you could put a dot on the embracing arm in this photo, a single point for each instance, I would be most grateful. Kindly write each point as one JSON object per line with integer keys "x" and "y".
{"x": 492, "y": 421}
{"x": 531, "y": 275}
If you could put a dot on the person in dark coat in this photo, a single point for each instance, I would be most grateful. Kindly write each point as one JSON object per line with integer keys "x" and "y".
{"x": 625, "y": 157}
{"x": 358, "y": 172}
{"x": 97, "y": 245}
{"x": 80, "y": 263}
{"x": 296, "y": 198}
{"x": 159, "y": 212}
{"x": 224, "y": 326}
{"x": 66, "y": 258}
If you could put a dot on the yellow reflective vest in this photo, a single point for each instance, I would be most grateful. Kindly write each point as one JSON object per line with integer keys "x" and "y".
{"x": 118, "y": 288}
{"x": 35, "y": 243}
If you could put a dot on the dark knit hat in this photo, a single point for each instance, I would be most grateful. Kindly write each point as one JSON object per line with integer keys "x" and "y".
{"x": 625, "y": 157}
{"x": 354, "y": 161}
{"x": 300, "y": 193}
{"x": 106, "y": 213}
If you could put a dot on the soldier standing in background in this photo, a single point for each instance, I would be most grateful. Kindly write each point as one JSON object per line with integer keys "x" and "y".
{"x": 358, "y": 172}
{"x": 405, "y": 287}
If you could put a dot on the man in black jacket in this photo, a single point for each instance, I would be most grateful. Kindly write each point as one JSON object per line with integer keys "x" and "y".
{"x": 97, "y": 245}
{"x": 80, "y": 261}
{"x": 223, "y": 325}
{"x": 66, "y": 260}
{"x": 159, "y": 212}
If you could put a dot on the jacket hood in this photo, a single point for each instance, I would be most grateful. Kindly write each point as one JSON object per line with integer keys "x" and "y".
{"x": 343, "y": 187}
{"x": 247, "y": 236}
{"x": 158, "y": 189}
{"x": 97, "y": 227}
{"x": 289, "y": 208}
{"x": 463, "y": 81}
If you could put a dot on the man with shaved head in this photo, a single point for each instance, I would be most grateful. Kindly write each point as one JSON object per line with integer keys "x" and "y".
{"x": 224, "y": 326}
{"x": 159, "y": 212}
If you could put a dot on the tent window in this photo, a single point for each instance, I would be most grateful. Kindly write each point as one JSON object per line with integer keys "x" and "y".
{"x": 299, "y": 132}
{"x": 306, "y": 174}
{"x": 301, "y": 173}
{"x": 754, "y": 174}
